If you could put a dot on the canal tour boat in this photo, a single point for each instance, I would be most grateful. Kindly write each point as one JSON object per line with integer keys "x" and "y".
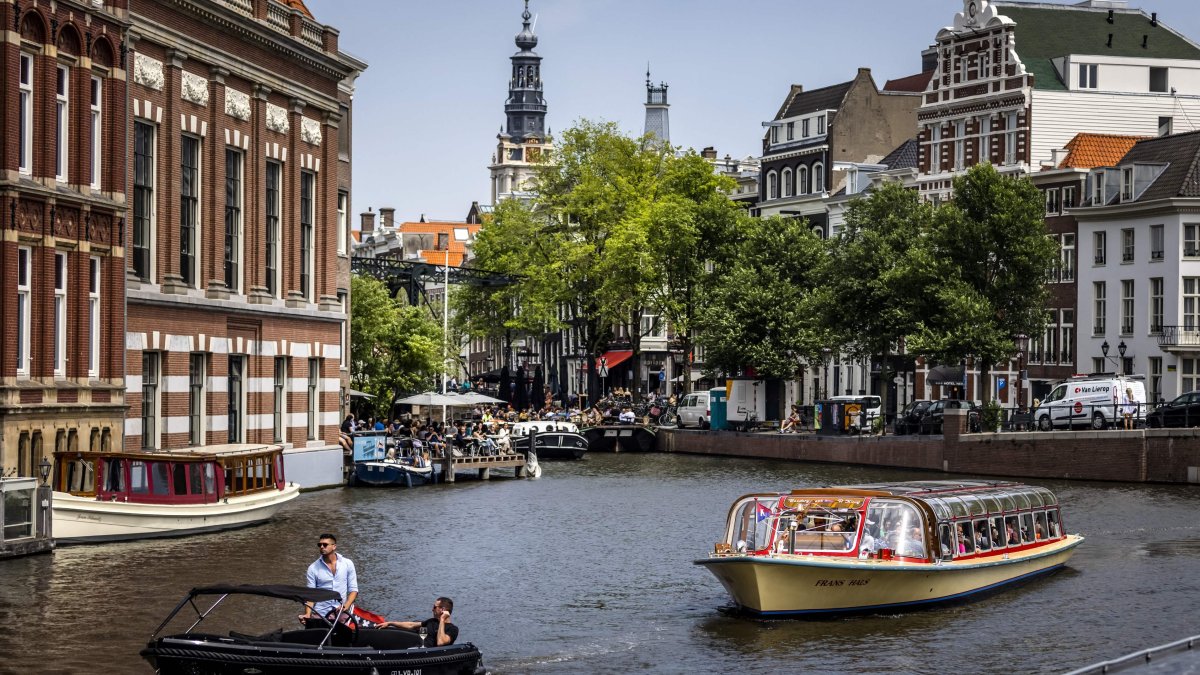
{"x": 343, "y": 647}
{"x": 886, "y": 547}
{"x": 555, "y": 440}
{"x": 116, "y": 496}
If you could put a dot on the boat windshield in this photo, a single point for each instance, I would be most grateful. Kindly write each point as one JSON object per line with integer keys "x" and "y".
{"x": 795, "y": 523}
{"x": 893, "y": 528}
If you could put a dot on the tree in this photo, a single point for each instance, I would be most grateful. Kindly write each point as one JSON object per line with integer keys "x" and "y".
{"x": 874, "y": 281}
{"x": 394, "y": 347}
{"x": 992, "y": 257}
{"x": 761, "y": 311}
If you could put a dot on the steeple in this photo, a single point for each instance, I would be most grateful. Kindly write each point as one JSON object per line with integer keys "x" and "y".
{"x": 657, "y": 121}
{"x": 525, "y": 107}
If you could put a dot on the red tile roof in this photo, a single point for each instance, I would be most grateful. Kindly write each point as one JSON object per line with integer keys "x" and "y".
{"x": 299, "y": 4}
{"x": 1088, "y": 151}
{"x": 911, "y": 84}
{"x": 458, "y": 249}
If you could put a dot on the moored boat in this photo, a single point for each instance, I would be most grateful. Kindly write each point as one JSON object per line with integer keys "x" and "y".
{"x": 620, "y": 438}
{"x": 383, "y": 461}
{"x": 554, "y": 440}
{"x": 886, "y": 547}
{"x": 115, "y": 496}
{"x": 340, "y": 648}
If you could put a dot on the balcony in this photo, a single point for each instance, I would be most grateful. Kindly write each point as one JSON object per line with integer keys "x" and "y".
{"x": 1179, "y": 339}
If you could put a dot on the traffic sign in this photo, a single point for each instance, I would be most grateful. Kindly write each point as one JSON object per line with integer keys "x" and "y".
{"x": 602, "y": 366}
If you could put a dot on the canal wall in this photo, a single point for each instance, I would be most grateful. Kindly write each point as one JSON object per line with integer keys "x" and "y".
{"x": 1138, "y": 456}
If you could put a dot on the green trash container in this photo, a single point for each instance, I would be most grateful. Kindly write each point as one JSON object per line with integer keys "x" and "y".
{"x": 717, "y": 407}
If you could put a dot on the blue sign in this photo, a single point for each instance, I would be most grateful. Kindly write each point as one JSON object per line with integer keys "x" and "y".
{"x": 662, "y": 375}
{"x": 370, "y": 446}
{"x": 999, "y": 383}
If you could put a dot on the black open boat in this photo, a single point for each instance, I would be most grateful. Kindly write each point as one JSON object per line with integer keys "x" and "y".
{"x": 337, "y": 648}
{"x": 552, "y": 440}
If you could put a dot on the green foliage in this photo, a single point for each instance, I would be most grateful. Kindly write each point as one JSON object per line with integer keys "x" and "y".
{"x": 394, "y": 347}
{"x": 991, "y": 416}
{"x": 761, "y": 310}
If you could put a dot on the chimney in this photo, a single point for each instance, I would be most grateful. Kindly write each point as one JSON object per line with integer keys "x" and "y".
{"x": 387, "y": 217}
{"x": 368, "y": 221}
{"x": 709, "y": 153}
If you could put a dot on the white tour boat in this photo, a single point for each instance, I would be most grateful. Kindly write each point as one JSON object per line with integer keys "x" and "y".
{"x": 114, "y": 496}
{"x": 886, "y": 547}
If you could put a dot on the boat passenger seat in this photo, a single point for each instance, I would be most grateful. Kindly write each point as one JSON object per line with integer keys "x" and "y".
{"x": 387, "y": 638}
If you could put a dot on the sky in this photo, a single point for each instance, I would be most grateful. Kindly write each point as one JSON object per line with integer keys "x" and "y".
{"x": 429, "y": 105}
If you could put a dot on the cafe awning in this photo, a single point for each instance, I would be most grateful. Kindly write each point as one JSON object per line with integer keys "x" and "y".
{"x": 613, "y": 357}
{"x": 947, "y": 375}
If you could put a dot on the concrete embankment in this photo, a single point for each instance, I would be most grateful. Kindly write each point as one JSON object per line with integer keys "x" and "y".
{"x": 1139, "y": 456}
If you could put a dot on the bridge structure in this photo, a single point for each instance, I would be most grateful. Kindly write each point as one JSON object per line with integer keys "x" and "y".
{"x": 411, "y": 276}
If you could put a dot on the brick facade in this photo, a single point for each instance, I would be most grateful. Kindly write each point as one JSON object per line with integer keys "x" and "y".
{"x": 74, "y": 402}
{"x": 254, "y": 94}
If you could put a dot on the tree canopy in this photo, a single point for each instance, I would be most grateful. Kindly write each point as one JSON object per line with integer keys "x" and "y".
{"x": 394, "y": 348}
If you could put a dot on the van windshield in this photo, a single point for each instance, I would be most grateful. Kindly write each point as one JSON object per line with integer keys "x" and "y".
{"x": 1057, "y": 394}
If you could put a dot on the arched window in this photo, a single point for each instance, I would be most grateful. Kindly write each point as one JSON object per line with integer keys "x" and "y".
{"x": 802, "y": 180}
{"x": 772, "y": 185}
{"x": 787, "y": 182}
{"x": 818, "y": 178}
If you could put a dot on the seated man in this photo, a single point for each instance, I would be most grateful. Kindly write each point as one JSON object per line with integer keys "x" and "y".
{"x": 438, "y": 627}
{"x": 626, "y": 416}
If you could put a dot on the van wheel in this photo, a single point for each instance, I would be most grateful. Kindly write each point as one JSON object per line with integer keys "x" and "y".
{"x": 704, "y": 424}
{"x": 1044, "y": 423}
{"x": 1098, "y": 421}
{"x": 679, "y": 421}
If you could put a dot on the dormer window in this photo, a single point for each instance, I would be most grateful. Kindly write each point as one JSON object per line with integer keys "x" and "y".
{"x": 774, "y": 134}
{"x": 791, "y": 131}
{"x": 1087, "y": 76}
{"x": 804, "y": 133}
{"x": 1098, "y": 188}
{"x": 820, "y": 125}
{"x": 1127, "y": 184}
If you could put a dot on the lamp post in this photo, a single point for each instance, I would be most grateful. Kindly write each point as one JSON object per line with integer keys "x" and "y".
{"x": 1022, "y": 347}
{"x": 1121, "y": 347}
{"x": 1104, "y": 352}
{"x": 44, "y": 470}
{"x": 825, "y": 354}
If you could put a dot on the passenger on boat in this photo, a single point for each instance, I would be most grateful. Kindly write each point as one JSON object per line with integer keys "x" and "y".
{"x": 331, "y": 571}
{"x": 1039, "y": 532}
{"x": 439, "y": 626}
{"x": 981, "y": 538}
{"x": 962, "y": 539}
{"x": 1010, "y": 528}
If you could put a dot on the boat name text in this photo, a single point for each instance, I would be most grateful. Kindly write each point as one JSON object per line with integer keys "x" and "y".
{"x": 842, "y": 582}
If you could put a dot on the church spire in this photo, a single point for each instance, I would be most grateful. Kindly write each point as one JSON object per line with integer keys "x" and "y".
{"x": 525, "y": 108}
{"x": 658, "y": 124}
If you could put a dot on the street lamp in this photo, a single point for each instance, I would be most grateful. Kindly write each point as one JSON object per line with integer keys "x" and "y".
{"x": 1121, "y": 347}
{"x": 825, "y": 353}
{"x": 44, "y": 469}
{"x": 1022, "y": 347}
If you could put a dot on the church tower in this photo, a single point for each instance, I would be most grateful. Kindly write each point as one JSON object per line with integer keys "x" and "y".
{"x": 522, "y": 141}
{"x": 658, "y": 124}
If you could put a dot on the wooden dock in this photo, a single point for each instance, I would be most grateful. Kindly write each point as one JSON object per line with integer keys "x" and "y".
{"x": 483, "y": 464}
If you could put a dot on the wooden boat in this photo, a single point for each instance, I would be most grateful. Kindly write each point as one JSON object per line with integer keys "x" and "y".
{"x": 554, "y": 440}
{"x": 341, "y": 648}
{"x": 886, "y": 547}
{"x": 383, "y": 461}
{"x": 115, "y": 496}
{"x": 620, "y": 438}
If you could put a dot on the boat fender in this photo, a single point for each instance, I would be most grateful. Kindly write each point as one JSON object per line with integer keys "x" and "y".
{"x": 532, "y": 468}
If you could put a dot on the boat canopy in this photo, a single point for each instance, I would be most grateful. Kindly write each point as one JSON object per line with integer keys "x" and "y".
{"x": 282, "y": 591}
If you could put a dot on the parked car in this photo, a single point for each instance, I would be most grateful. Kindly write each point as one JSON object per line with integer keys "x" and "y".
{"x": 1182, "y": 411}
{"x": 909, "y": 419}
{"x": 693, "y": 411}
{"x": 1089, "y": 400}
{"x": 932, "y": 421}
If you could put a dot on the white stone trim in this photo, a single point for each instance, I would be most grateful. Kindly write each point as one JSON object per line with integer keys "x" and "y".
{"x": 275, "y": 151}
{"x": 217, "y": 385}
{"x": 217, "y": 423}
{"x": 194, "y": 88}
{"x": 147, "y": 71}
{"x": 180, "y": 343}
{"x": 237, "y": 104}
{"x": 176, "y": 424}
{"x": 277, "y": 118}
{"x": 133, "y": 382}
{"x": 310, "y": 131}
{"x": 261, "y": 385}
{"x": 193, "y": 124}
{"x": 135, "y": 341}
{"x": 330, "y": 418}
{"x": 266, "y": 421}
{"x": 329, "y": 384}
{"x": 176, "y": 384}
{"x": 147, "y": 110}
{"x": 301, "y": 350}
{"x": 332, "y": 352}
{"x": 133, "y": 426}
{"x": 235, "y": 138}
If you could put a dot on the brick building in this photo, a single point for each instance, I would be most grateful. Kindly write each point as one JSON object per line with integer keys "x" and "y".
{"x": 237, "y": 278}
{"x": 63, "y": 213}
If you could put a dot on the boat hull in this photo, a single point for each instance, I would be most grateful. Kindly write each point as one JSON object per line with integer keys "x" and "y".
{"x": 169, "y": 656}
{"x": 85, "y": 520}
{"x": 391, "y": 474}
{"x": 620, "y": 438}
{"x": 795, "y": 585}
{"x": 554, "y": 445}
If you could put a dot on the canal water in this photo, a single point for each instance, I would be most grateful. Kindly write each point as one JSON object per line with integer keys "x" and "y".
{"x": 589, "y": 569}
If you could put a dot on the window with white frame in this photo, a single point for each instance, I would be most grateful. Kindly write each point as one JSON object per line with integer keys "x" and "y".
{"x": 1068, "y": 197}
{"x": 1127, "y": 307}
{"x": 189, "y": 209}
{"x": 1050, "y": 338}
{"x": 960, "y": 144}
{"x": 24, "y": 309}
{"x": 308, "y": 182}
{"x": 1127, "y": 244}
{"x": 786, "y": 175}
{"x": 1127, "y": 184}
{"x": 197, "y": 377}
{"x": 818, "y": 178}
{"x": 791, "y": 131}
{"x": 236, "y": 388}
{"x": 804, "y": 132}
{"x": 1164, "y": 125}
{"x": 280, "y": 407}
{"x": 653, "y": 326}
{"x": 62, "y": 122}
{"x": 820, "y": 125}
{"x": 1067, "y": 256}
{"x": 60, "y": 314}
{"x": 935, "y": 148}
{"x": 802, "y": 180}
{"x": 774, "y": 133}
{"x": 97, "y": 99}
{"x": 1156, "y": 242}
{"x": 1156, "y": 305}
{"x": 344, "y": 334}
{"x": 1099, "y": 306}
{"x": 343, "y": 203}
{"x": 314, "y": 392}
{"x": 1155, "y": 393}
{"x": 1067, "y": 337}
{"x": 1191, "y": 240}
{"x": 1010, "y": 138}
{"x": 25, "y": 115}
{"x": 233, "y": 219}
{"x": 1100, "y": 244}
{"x": 1087, "y": 76}
{"x": 1052, "y": 204}
{"x": 150, "y": 374}
{"x": 1098, "y": 188}
{"x": 1191, "y": 303}
{"x": 1189, "y": 374}
{"x": 93, "y": 316}
{"x": 772, "y": 185}
{"x": 274, "y": 174}
{"x": 143, "y": 200}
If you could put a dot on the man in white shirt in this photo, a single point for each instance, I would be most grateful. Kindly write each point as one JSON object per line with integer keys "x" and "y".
{"x": 331, "y": 571}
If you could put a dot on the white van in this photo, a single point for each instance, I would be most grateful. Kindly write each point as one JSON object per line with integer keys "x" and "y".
{"x": 1092, "y": 401}
{"x": 854, "y": 404}
{"x": 693, "y": 410}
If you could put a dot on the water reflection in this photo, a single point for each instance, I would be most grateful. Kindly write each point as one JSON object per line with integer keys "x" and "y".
{"x": 589, "y": 569}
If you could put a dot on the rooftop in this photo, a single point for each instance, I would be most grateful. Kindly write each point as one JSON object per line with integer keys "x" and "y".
{"x": 1087, "y": 151}
{"x": 1181, "y": 155}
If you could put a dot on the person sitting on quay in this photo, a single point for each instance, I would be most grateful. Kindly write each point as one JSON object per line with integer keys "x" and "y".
{"x": 483, "y": 444}
{"x": 626, "y": 416}
{"x": 331, "y": 571}
{"x": 439, "y": 626}
{"x": 344, "y": 434}
{"x": 792, "y": 423}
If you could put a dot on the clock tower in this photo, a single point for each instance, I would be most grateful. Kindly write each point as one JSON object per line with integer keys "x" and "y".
{"x": 523, "y": 140}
